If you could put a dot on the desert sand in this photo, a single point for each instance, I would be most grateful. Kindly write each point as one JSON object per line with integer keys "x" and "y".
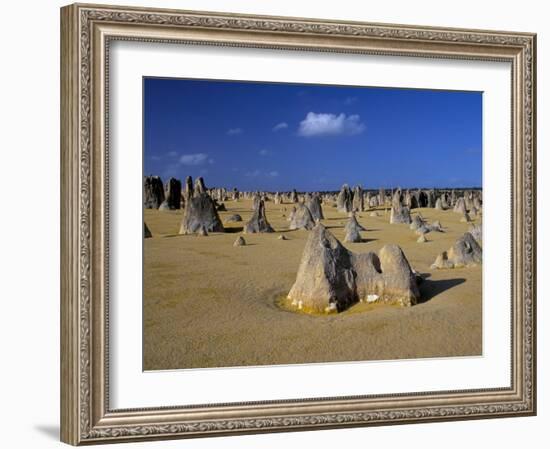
{"x": 207, "y": 303}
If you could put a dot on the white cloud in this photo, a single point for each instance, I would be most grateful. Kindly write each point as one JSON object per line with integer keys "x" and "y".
{"x": 258, "y": 173}
{"x": 172, "y": 153}
{"x": 263, "y": 152}
{"x": 253, "y": 174}
{"x": 279, "y": 126}
{"x": 234, "y": 131}
{"x": 350, "y": 100}
{"x": 193, "y": 159}
{"x": 330, "y": 125}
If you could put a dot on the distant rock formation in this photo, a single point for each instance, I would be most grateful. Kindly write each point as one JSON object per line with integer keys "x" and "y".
{"x": 358, "y": 202}
{"x": 258, "y": 222}
{"x": 315, "y": 208}
{"x": 330, "y": 278}
{"x": 381, "y": 197}
{"x": 466, "y": 252}
{"x": 301, "y": 218}
{"x": 172, "y": 195}
{"x": 188, "y": 193}
{"x": 460, "y": 206}
{"x": 344, "y": 201}
{"x": 399, "y": 213}
{"x": 153, "y": 192}
{"x": 200, "y": 213}
{"x": 353, "y": 230}
{"x": 146, "y": 232}
{"x": 200, "y": 187}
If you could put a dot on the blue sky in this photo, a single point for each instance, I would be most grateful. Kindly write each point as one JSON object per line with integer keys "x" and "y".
{"x": 271, "y": 136}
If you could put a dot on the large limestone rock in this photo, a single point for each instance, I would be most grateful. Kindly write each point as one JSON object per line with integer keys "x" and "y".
{"x": 153, "y": 192}
{"x": 301, "y": 218}
{"x": 330, "y": 278}
{"x": 466, "y": 252}
{"x": 172, "y": 195}
{"x": 388, "y": 277}
{"x": 315, "y": 208}
{"x": 344, "y": 202}
{"x": 200, "y": 213}
{"x": 258, "y": 222}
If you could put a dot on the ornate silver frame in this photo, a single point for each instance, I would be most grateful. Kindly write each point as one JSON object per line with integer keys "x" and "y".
{"x": 86, "y": 31}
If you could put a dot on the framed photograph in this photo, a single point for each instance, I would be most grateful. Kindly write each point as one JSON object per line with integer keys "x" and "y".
{"x": 280, "y": 224}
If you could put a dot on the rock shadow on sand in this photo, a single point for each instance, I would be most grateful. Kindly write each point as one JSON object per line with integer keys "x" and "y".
{"x": 431, "y": 288}
{"x": 234, "y": 230}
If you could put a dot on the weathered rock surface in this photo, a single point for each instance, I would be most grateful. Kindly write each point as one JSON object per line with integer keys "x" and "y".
{"x": 172, "y": 195}
{"x": 466, "y": 252}
{"x": 358, "y": 202}
{"x": 422, "y": 239}
{"x": 460, "y": 206}
{"x": 353, "y": 230}
{"x": 200, "y": 212}
{"x": 399, "y": 213}
{"x": 234, "y": 218}
{"x": 477, "y": 233}
{"x": 344, "y": 201}
{"x": 258, "y": 222}
{"x": 331, "y": 278}
{"x": 153, "y": 192}
{"x": 200, "y": 187}
{"x": 188, "y": 194}
{"x": 315, "y": 208}
{"x": 301, "y": 218}
{"x": 240, "y": 241}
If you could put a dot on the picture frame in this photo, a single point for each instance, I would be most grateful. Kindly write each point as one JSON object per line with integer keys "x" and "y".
{"x": 87, "y": 31}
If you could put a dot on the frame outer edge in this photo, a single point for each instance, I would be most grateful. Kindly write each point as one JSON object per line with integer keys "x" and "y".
{"x": 79, "y": 423}
{"x": 69, "y": 131}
